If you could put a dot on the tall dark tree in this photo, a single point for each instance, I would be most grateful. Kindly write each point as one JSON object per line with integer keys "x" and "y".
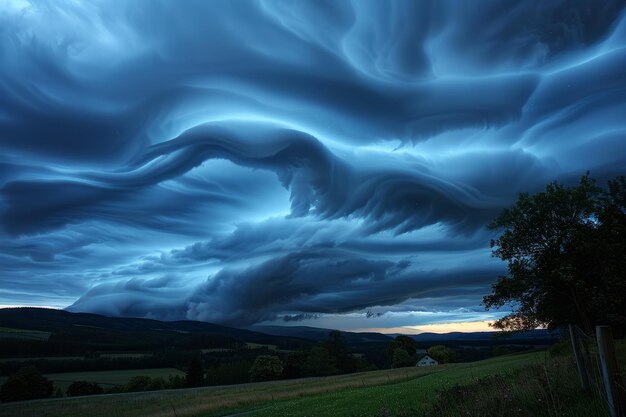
{"x": 195, "y": 372}
{"x": 337, "y": 346}
{"x": 564, "y": 248}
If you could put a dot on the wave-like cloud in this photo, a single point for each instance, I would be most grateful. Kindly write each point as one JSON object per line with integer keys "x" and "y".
{"x": 269, "y": 160}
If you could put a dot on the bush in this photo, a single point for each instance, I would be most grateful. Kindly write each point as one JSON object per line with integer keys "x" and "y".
{"x": 175, "y": 381}
{"x": 79, "y": 388}
{"x": 502, "y": 350}
{"x": 138, "y": 383}
{"x": 145, "y": 383}
{"x": 266, "y": 368}
{"x": 442, "y": 353}
{"x": 26, "y": 384}
{"x": 561, "y": 348}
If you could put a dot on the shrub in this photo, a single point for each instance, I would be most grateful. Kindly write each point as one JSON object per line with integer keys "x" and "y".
{"x": 175, "y": 381}
{"x": 138, "y": 383}
{"x": 26, "y": 384}
{"x": 79, "y": 388}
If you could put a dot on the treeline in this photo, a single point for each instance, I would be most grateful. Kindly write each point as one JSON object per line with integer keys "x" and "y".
{"x": 329, "y": 357}
{"x": 82, "y": 341}
{"x": 177, "y": 359}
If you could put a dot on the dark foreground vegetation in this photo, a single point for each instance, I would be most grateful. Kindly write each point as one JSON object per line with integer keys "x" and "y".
{"x": 550, "y": 389}
{"x": 527, "y": 384}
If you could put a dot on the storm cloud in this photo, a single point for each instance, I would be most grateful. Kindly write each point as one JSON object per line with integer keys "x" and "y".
{"x": 274, "y": 161}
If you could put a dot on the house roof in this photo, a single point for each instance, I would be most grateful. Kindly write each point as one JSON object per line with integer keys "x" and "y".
{"x": 422, "y": 356}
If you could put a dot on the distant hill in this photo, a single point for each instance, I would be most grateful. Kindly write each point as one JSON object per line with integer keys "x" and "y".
{"x": 77, "y": 332}
{"x": 318, "y": 334}
{"x": 541, "y": 335}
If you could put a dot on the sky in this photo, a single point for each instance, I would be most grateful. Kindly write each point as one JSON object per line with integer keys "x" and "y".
{"x": 321, "y": 163}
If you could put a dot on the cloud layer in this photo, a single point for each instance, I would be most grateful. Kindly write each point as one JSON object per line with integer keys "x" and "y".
{"x": 328, "y": 162}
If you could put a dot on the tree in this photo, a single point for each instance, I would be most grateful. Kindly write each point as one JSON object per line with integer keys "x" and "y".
{"x": 320, "y": 362}
{"x": 564, "y": 249}
{"x": 402, "y": 342}
{"x": 294, "y": 364}
{"x": 401, "y": 358}
{"x": 442, "y": 353}
{"x": 337, "y": 347}
{"x": 266, "y": 368}
{"x": 26, "y": 384}
{"x": 195, "y": 372}
{"x": 80, "y": 388}
{"x": 335, "y": 343}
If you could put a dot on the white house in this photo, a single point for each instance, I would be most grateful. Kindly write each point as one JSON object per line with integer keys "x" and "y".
{"x": 427, "y": 361}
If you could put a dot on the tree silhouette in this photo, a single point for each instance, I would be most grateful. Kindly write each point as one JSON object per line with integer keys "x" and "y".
{"x": 26, "y": 384}
{"x": 266, "y": 368}
{"x": 401, "y": 358}
{"x": 402, "y": 342}
{"x": 442, "y": 353}
{"x": 565, "y": 251}
{"x": 195, "y": 372}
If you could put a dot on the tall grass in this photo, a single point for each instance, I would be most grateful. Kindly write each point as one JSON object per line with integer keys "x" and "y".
{"x": 547, "y": 390}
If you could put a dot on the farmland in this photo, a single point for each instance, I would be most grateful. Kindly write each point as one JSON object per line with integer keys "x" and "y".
{"x": 354, "y": 394}
{"x": 7, "y": 332}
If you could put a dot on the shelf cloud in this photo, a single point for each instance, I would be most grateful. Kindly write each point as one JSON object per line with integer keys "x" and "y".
{"x": 281, "y": 162}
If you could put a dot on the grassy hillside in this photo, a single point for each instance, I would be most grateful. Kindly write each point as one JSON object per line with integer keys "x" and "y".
{"x": 346, "y": 395}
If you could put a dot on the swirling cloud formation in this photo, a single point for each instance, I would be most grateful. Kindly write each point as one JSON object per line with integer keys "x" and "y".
{"x": 325, "y": 162}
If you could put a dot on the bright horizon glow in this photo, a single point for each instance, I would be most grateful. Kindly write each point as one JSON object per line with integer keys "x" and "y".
{"x": 463, "y": 327}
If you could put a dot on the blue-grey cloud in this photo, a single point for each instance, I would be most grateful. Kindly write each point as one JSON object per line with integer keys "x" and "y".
{"x": 247, "y": 162}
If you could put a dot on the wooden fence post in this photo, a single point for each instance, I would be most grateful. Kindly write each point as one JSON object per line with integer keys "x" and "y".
{"x": 580, "y": 361}
{"x": 608, "y": 362}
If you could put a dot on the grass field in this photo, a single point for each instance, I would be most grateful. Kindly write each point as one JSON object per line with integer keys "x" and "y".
{"x": 47, "y": 358}
{"x": 362, "y": 394}
{"x": 106, "y": 378}
{"x": 259, "y": 346}
{"x": 6, "y": 332}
